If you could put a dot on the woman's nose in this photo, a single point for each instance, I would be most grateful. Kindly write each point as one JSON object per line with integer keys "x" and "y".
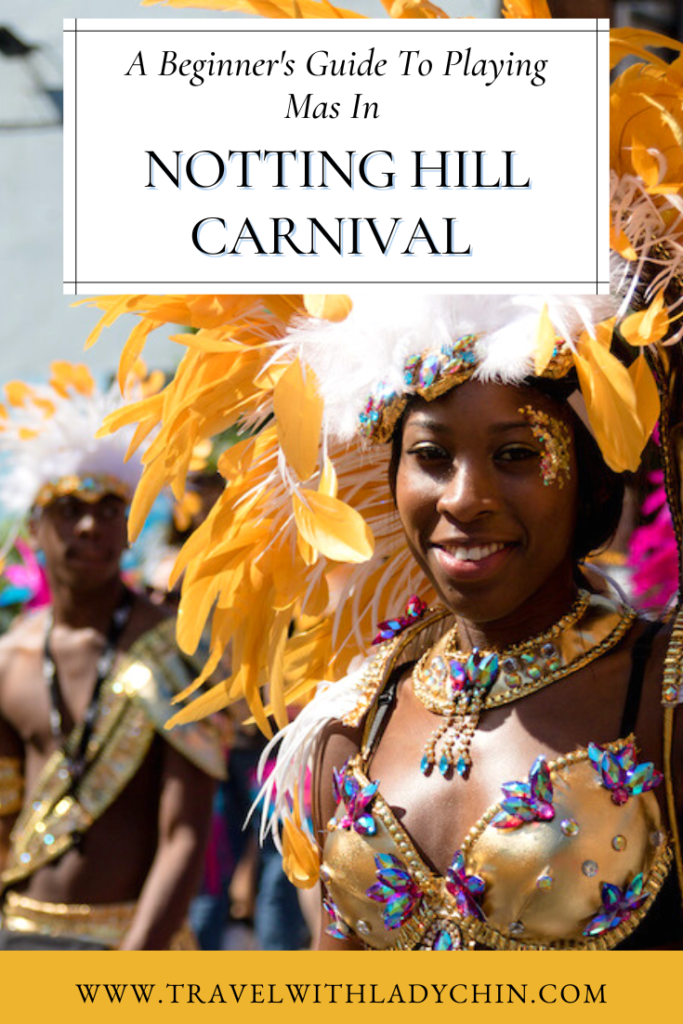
{"x": 86, "y": 523}
{"x": 468, "y": 493}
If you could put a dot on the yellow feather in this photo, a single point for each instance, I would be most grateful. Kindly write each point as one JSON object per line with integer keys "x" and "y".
{"x": 328, "y": 479}
{"x": 300, "y": 858}
{"x": 328, "y": 307}
{"x": 146, "y": 493}
{"x": 648, "y": 326}
{"x": 334, "y": 529}
{"x": 648, "y": 403}
{"x": 611, "y": 405}
{"x": 298, "y": 414}
{"x": 545, "y": 341}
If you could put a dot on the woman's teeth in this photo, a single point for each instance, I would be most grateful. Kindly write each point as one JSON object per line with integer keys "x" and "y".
{"x": 475, "y": 554}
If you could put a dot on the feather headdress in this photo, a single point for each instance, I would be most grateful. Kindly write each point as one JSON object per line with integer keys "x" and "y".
{"x": 305, "y": 530}
{"x": 49, "y": 447}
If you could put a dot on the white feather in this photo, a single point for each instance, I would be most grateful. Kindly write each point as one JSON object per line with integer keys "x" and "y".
{"x": 65, "y": 445}
{"x": 371, "y": 345}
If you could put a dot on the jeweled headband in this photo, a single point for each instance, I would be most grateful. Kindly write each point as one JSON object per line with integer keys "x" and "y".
{"x": 90, "y": 488}
{"x": 430, "y": 375}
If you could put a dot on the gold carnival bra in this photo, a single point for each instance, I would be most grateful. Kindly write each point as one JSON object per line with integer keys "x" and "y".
{"x": 571, "y": 857}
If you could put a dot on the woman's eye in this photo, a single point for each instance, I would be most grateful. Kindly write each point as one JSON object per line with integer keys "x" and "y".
{"x": 516, "y": 453}
{"x": 429, "y": 452}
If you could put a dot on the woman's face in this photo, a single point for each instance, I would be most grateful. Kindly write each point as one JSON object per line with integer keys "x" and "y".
{"x": 485, "y": 527}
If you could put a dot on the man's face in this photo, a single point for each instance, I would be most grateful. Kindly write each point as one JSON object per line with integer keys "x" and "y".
{"x": 82, "y": 541}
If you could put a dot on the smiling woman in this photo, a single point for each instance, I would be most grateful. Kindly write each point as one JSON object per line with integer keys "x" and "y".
{"x": 494, "y": 778}
{"x": 499, "y": 774}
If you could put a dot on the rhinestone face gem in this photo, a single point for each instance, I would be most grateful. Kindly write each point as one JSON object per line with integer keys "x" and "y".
{"x": 548, "y": 650}
{"x": 25, "y": 858}
{"x": 569, "y": 827}
{"x": 545, "y": 882}
{"x": 517, "y": 928}
{"x": 589, "y": 868}
{"x": 657, "y": 838}
{"x": 619, "y": 843}
{"x": 362, "y": 927}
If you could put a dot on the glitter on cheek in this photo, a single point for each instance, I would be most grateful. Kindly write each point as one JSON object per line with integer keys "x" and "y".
{"x": 555, "y": 439}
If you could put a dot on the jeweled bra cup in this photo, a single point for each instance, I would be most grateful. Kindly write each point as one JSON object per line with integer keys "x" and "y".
{"x": 543, "y": 880}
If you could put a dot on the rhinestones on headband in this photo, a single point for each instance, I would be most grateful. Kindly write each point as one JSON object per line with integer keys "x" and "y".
{"x": 90, "y": 488}
{"x": 428, "y": 374}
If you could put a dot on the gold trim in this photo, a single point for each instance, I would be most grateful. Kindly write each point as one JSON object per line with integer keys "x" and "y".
{"x": 90, "y": 488}
{"x": 105, "y": 923}
{"x": 671, "y": 796}
{"x": 384, "y": 661}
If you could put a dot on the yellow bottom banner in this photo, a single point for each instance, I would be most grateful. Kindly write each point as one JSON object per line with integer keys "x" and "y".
{"x": 302, "y": 987}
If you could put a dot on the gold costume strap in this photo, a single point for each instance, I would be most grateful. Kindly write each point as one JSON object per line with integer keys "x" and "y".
{"x": 106, "y": 923}
{"x": 52, "y": 817}
{"x": 404, "y": 648}
{"x": 135, "y": 703}
{"x": 152, "y": 674}
{"x": 11, "y": 785}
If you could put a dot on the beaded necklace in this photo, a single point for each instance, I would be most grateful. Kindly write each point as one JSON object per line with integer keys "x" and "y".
{"x": 459, "y": 686}
{"x": 76, "y": 761}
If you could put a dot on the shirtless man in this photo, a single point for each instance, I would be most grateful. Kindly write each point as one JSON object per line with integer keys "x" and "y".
{"x": 112, "y": 822}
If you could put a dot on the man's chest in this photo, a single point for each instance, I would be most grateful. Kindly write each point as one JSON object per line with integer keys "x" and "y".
{"x": 42, "y": 707}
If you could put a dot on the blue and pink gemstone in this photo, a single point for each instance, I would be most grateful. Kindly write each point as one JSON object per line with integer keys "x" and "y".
{"x": 354, "y": 798}
{"x": 617, "y": 905}
{"x": 465, "y": 889}
{"x": 396, "y": 889}
{"x": 527, "y": 801}
{"x": 620, "y": 773}
{"x": 415, "y": 609}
